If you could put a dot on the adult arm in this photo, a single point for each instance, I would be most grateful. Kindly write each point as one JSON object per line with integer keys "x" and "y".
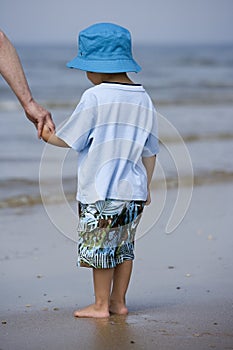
{"x": 12, "y": 71}
{"x": 149, "y": 164}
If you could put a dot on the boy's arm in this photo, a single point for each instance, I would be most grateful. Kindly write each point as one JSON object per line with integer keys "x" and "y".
{"x": 50, "y": 137}
{"x": 149, "y": 164}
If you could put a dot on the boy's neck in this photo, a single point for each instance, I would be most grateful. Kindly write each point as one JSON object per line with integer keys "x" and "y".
{"x": 98, "y": 78}
{"x": 116, "y": 78}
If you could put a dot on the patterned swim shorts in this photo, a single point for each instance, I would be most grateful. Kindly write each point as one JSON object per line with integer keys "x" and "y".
{"x": 106, "y": 232}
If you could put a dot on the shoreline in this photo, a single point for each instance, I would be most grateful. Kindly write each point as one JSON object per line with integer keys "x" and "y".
{"x": 28, "y": 200}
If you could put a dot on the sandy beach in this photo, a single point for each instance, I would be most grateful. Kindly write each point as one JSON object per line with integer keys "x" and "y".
{"x": 180, "y": 295}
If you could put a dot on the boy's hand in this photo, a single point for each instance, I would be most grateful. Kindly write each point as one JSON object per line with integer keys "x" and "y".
{"x": 50, "y": 137}
{"x": 39, "y": 116}
{"x": 148, "y": 200}
{"x": 149, "y": 164}
{"x": 46, "y": 133}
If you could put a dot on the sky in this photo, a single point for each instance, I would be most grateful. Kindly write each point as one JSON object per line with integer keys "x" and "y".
{"x": 150, "y": 21}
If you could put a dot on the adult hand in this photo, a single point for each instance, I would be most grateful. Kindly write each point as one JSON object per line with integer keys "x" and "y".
{"x": 39, "y": 116}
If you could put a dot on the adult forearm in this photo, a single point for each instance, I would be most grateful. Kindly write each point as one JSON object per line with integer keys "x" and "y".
{"x": 12, "y": 71}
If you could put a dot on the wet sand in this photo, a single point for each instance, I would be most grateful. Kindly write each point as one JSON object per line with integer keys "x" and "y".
{"x": 180, "y": 296}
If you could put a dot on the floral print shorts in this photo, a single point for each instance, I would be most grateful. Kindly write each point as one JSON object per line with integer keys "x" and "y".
{"x": 106, "y": 232}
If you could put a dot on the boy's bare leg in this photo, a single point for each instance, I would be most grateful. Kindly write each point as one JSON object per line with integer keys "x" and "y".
{"x": 102, "y": 279}
{"x": 121, "y": 278}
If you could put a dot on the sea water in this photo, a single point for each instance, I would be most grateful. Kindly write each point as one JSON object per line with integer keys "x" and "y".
{"x": 191, "y": 86}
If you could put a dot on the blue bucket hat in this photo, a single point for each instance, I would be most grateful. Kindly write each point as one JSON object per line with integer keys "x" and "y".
{"x": 104, "y": 48}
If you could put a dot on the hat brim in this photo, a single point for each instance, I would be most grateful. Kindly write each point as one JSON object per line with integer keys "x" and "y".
{"x": 104, "y": 66}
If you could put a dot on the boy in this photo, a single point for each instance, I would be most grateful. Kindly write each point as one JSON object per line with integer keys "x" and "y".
{"x": 114, "y": 130}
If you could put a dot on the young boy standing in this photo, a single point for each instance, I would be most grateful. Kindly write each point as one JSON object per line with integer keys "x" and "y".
{"x": 114, "y": 130}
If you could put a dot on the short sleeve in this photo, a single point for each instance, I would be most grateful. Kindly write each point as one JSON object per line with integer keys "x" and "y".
{"x": 77, "y": 129}
{"x": 151, "y": 146}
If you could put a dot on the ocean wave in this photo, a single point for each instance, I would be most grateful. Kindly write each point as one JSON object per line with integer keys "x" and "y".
{"x": 204, "y": 62}
{"x": 13, "y": 106}
{"x": 9, "y": 106}
{"x": 27, "y": 200}
{"x": 195, "y": 101}
{"x": 199, "y": 137}
{"x": 15, "y": 182}
{"x": 202, "y": 100}
{"x": 23, "y": 183}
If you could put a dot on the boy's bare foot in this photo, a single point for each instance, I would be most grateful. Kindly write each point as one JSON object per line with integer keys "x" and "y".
{"x": 92, "y": 311}
{"x": 118, "y": 308}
